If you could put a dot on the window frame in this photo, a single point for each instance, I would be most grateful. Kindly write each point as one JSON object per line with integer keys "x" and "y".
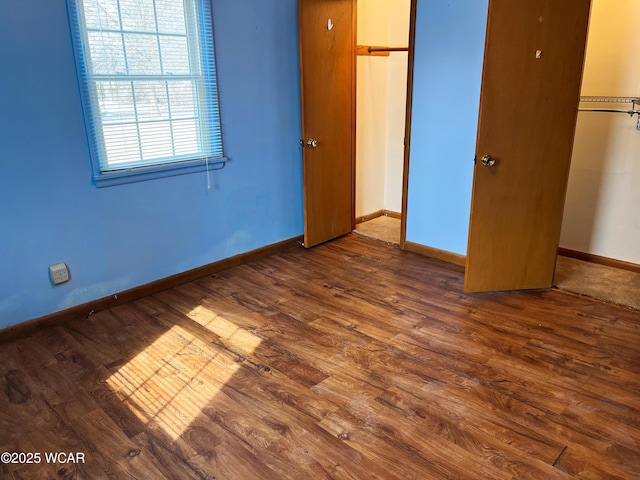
{"x": 167, "y": 166}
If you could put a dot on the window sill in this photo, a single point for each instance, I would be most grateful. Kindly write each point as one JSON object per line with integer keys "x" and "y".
{"x": 141, "y": 174}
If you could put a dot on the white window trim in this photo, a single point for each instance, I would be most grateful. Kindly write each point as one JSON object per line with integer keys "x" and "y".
{"x": 209, "y": 159}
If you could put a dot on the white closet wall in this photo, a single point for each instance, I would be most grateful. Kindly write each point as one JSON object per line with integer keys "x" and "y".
{"x": 602, "y": 211}
{"x": 381, "y": 97}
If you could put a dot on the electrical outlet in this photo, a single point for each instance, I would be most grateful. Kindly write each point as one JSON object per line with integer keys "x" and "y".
{"x": 59, "y": 273}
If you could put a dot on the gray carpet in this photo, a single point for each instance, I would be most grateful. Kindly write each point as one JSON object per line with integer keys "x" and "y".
{"x": 605, "y": 283}
{"x": 382, "y": 228}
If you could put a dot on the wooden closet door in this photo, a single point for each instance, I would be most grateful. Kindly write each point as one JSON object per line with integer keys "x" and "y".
{"x": 327, "y": 71}
{"x": 530, "y": 93}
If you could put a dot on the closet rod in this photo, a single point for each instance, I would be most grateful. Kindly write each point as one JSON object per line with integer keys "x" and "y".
{"x": 388, "y": 49}
{"x": 634, "y": 101}
{"x": 378, "y": 51}
{"x": 628, "y": 112}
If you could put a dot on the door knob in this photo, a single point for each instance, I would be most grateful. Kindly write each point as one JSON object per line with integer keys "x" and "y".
{"x": 311, "y": 143}
{"x": 487, "y": 161}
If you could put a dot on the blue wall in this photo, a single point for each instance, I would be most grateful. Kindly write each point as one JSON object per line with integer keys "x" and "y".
{"x": 123, "y": 236}
{"x": 449, "y": 54}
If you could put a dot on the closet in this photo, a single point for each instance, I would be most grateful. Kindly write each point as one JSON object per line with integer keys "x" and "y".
{"x": 603, "y": 198}
{"x": 382, "y": 39}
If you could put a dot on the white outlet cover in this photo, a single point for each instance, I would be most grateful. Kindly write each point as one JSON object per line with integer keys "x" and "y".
{"x": 59, "y": 273}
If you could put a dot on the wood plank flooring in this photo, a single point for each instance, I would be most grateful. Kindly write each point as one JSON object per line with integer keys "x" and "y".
{"x": 353, "y": 360}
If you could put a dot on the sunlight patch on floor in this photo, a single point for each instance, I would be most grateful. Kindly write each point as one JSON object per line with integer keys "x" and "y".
{"x": 172, "y": 380}
{"x": 222, "y": 327}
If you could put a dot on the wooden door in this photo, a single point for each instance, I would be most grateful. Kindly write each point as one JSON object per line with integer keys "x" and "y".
{"x": 327, "y": 78}
{"x": 528, "y": 110}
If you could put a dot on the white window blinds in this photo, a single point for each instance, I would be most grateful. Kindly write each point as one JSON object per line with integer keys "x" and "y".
{"x": 147, "y": 75}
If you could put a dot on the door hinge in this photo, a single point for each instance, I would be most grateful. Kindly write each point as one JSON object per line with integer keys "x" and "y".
{"x": 475, "y": 159}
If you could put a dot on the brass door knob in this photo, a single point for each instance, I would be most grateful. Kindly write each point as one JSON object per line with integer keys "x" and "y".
{"x": 487, "y": 161}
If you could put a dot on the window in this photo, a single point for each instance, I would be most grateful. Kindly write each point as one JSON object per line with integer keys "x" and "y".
{"x": 147, "y": 75}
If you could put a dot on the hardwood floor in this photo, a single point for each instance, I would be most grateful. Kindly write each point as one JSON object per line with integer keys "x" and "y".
{"x": 353, "y": 360}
